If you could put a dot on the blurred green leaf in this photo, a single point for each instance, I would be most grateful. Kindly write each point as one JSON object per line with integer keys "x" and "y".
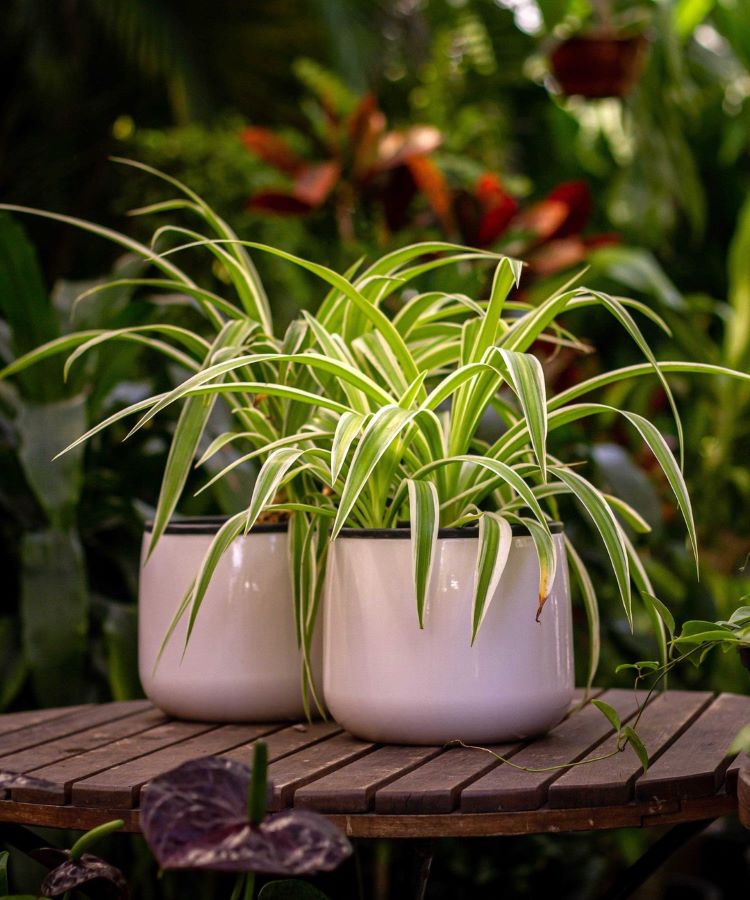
{"x": 25, "y": 305}
{"x": 741, "y": 743}
{"x": 4, "y": 889}
{"x": 737, "y": 337}
{"x": 688, "y": 14}
{"x": 120, "y": 628}
{"x": 44, "y": 430}
{"x": 13, "y": 669}
{"x": 54, "y": 615}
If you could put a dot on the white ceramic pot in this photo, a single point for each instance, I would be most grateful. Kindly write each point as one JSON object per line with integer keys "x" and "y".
{"x": 242, "y": 662}
{"x": 386, "y": 680}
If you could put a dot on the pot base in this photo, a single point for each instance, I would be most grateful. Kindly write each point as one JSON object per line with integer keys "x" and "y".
{"x": 509, "y": 719}
{"x": 230, "y": 702}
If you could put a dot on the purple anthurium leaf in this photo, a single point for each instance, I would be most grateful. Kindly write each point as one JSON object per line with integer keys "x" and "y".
{"x": 297, "y": 842}
{"x": 195, "y": 817}
{"x": 97, "y": 877}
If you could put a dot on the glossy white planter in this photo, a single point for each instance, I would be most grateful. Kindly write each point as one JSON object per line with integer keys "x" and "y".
{"x": 386, "y": 680}
{"x": 242, "y": 661}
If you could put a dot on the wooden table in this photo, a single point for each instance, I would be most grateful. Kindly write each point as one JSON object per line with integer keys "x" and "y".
{"x": 97, "y": 759}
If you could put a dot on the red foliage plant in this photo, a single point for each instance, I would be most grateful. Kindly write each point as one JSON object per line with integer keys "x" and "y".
{"x": 366, "y": 164}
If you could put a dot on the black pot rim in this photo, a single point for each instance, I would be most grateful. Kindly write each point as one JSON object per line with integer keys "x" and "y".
{"x": 210, "y": 525}
{"x": 404, "y": 532}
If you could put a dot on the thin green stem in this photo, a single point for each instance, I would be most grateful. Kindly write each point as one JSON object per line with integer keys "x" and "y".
{"x": 256, "y": 797}
{"x": 91, "y": 837}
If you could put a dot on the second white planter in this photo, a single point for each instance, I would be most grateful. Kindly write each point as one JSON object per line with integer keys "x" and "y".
{"x": 387, "y": 680}
{"x": 242, "y": 662}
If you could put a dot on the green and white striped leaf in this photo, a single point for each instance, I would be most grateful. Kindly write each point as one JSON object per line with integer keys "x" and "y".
{"x": 495, "y": 540}
{"x": 527, "y": 379}
{"x": 424, "y": 514}
{"x": 546, "y": 553}
{"x": 383, "y": 429}
{"x": 507, "y": 274}
{"x": 269, "y": 479}
{"x": 591, "y": 605}
{"x": 659, "y": 447}
{"x": 608, "y": 527}
{"x": 138, "y": 333}
{"x": 197, "y": 590}
{"x": 291, "y": 439}
{"x": 182, "y": 450}
{"x": 349, "y": 427}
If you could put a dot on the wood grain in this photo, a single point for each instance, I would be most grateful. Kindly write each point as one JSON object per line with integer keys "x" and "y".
{"x": 96, "y": 760}
{"x": 286, "y": 741}
{"x": 79, "y": 719}
{"x": 120, "y": 785}
{"x": 15, "y": 721}
{"x": 607, "y": 782}
{"x": 352, "y": 787}
{"x": 508, "y": 788}
{"x": 292, "y": 772}
{"x": 695, "y": 765}
{"x": 65, "y": 772}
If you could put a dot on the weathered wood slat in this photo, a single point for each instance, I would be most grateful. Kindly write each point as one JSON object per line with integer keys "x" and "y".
{"x": 351, "y": 788}
{"x": 695, "y": 765}
{"x": 120, "y": 785}
{"x": 15, "y": 721}
{"x": 509, "y": 788}
{"x": 607, "y": 782}
{"x": 80, "y": 718}
{"x": 292, "y": 772}
{"x": 75, "y": 744}
{"x": 538, "y": 821}
{"x": 436, "y": 786}
{"x": 287, "y": 741}
{"x": 97, "y": 760}
{"x": 64, "y": 773}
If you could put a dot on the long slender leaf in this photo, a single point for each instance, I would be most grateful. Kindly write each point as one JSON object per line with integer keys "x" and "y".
{"x": 270, "y": 476}
{"x": 591, "y": 605}
{"x": 383, "y": 429}
{"x": 348, "y": 429}
{"x": 527, "y": 379}
{"x": 495, "y": 540}
{"x": 607, "y": 526}
{"x": 424, "y": 509}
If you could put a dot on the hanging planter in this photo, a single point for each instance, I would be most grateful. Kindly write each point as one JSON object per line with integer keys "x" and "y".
{"x": 388, "y": 680}
{"x": 599, "y": 64}
{"x": 242, "y": 662}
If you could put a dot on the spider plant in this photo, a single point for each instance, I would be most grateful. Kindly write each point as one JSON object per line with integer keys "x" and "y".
{"x": 396, "y": 403}
{"x": 264, "y": 399}
{"x": 363, "y": 418}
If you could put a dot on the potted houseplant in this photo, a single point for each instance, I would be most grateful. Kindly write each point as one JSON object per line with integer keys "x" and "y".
{"x": 423, "y": 626}
{"x": 377, "y": 429}
{"x": 264, "y": 670}
{"x": 602, "y": 56}
{"x": 254, "y": 653}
